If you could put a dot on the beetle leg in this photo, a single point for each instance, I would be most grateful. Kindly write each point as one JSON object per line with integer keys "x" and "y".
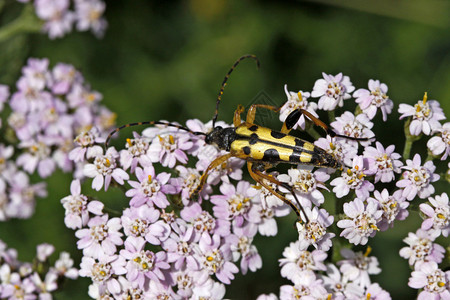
{"x": 259, "y": 177}
{"x": 251, "y": 113}
{"x": 237, "y": 115}
{"x": 214, "y": 164}
{"x": 295, "y": 115}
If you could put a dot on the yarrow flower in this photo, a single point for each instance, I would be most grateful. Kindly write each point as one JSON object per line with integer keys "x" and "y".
{"x": 78, "y": 207}
{"x": 296, "y": 101}
{"x": 101, "y": 238}
{"x": 417, "y": 179}
{"x": 361, "y": 221}
{"x": 353, "y": 126}
{"x": 104, "y": 169}
{"x": 357, "y": 266}
{"x": 30, "y": 281}
{"x": 373, "y": 99}
{"x": 440, "y": 144}
{"x": 332, "y": 90}
{"x": 306, "y": 185}
{"x": 151, "y": 188}
{"x": 425, "y": 115}
{"x": 314, "y": 231}
{"x": 438, "y": 220}
{"x": 434, "y": 282}
{"x": 383, "y": 162}
{"x": 394, "y": 208}
{"x": 184, "y": 233}
{"x": 61, "y": 15}
{"x": 353, "y": 179}
{"x": 421, "y": 248}
{"x": 296, "y": 261}
{"x": 45, "y": 123}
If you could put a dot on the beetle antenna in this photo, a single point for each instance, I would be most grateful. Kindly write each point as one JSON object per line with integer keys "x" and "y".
{"x": 168, "y": 124}
{"x": 224, "y": 83}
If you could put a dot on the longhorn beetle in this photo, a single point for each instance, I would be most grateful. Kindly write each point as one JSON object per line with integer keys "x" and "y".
{"x": 261, "y": 147}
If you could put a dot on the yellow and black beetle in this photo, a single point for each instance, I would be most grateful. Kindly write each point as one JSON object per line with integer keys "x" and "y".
{"x": 261, "y": 147}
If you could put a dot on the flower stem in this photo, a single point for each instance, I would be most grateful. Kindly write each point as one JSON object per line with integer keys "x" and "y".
{"x": 410, "y": 139}
{"x": 111, "y": 211}
{"x": 26, "y": 22}
{"x": 331, "y": 116}
{"x": 313, "y": 133}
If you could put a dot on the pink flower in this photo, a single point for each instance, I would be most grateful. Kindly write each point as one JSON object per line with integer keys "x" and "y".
{"x": 104, "y": 271}
{"x": 438, "y": 221}
{"x": 237, "y": 204}
{"x": 86, "y": 147}
{"x": 181, "y": 250}
{"x": 357, "y": 127}
{"x": 144, "y": 221}
{"x": 314, "y": 232}
{"x": 373, "y": 99}
{"x": 143, "y": 265}
{"x": 188, "y": 183}
{"x": 426, "y": 115}
{"x": 58, "y": 18}
{"x": 169, "y": 148}
{"x": 104, "y": 168}
{"x": 421, "y": 248}
{"x": 296, "y": 261}
{"x": 332, "y": 90}
{"x": 37, "y": 157}
{"x": 340, "y": 286}
{"x": 63, "y": 77}
{"x": 64, "y": 266}
{"x": 210, "y": 290}
{"x": 306, "y": 185}
{"x": 296, "y": 101}
{"x": 308, "y": 287}
{"x": 353, "y": 179}
{"x": 374, "y": 291}
{"x": 242, "y": 247}
{"x": 361, "y": 221}
{"x": 357, "y": 266}
{"x": 383, "y": 162}
{"x": 203, "y": 223}
{"x": 440, "y": 144}
{"x": 342, "y": 151}
{"x": 101, "y": 238}
{"x": 434, "y": 282}
{"x": 215, "y": 259}
{"x": 394, "y": 208}
{"x": 89, "y": 15}
{"x": 135, "y": 153}
{"x": 186, "y": 280}
{"x": 150, "y": 189}
{"x": 78, "y": 208}
{"x": 417, "y": 179}
{"x": 271, "y": 207}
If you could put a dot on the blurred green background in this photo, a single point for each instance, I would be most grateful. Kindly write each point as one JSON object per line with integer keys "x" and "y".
{"x": 166, "y": 60}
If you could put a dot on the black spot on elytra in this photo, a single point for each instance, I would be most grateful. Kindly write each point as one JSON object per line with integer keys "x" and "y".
{"x": 299, "y": 143}
{"x": 246, "y": 150}
{"x": 271, "y": 155}
{"x": 277, "y": 135}
{"x": 253, "y": 139}
{"x": 253, "y": 128}
{"x": 294, "y": 157}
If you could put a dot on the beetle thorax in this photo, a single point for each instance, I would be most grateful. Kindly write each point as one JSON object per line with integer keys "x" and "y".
{"x": 221, "y": 137}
